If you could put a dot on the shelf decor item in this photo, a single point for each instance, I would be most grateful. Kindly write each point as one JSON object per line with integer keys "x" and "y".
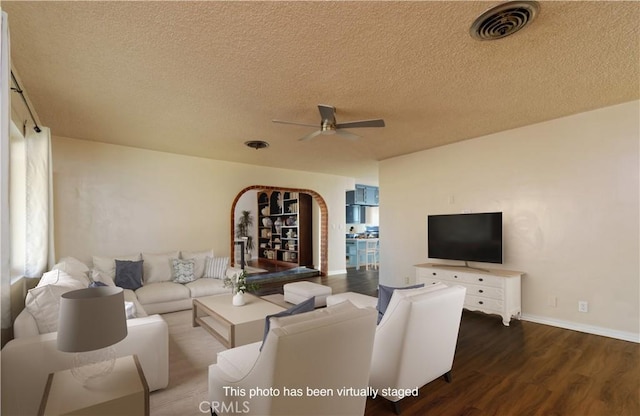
{"x": 92, "y": 339}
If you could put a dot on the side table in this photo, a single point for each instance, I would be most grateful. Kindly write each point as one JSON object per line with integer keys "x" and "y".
{"x": 123, "y": 392}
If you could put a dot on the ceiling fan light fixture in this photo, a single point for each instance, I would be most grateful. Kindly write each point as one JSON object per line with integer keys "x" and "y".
{"x": 256, "y": 144}
{"x": 327, "y": 127}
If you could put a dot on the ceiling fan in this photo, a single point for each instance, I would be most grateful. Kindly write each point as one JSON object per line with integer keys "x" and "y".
{"x": 328, "y": 124}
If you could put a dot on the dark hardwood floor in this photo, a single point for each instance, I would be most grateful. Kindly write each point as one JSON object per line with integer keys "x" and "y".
{"x": 523, "y": 369}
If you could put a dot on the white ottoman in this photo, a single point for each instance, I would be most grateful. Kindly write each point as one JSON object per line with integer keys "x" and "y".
{"x": 358, "y": 299}
{"x": 300, "y": 291}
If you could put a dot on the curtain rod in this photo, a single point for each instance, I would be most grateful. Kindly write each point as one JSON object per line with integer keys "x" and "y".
{"x": 19, "y": 91}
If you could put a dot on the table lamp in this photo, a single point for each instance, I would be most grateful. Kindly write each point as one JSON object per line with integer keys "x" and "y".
{"x": 90, "y": 321}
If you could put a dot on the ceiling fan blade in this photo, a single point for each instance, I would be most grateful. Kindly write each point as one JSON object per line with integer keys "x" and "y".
{"x": 293, "y": 122}
{"x": 347, "y": 135}
{"x": 327, "y": 112}
{"x": 363, "y": 123}
{"x": 311, "y": 135}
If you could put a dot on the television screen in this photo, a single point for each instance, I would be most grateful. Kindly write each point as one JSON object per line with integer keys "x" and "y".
{"x": 467, "y": 237}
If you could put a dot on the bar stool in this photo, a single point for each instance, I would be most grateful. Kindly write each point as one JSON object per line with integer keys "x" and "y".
{"x": 370, "y": 253}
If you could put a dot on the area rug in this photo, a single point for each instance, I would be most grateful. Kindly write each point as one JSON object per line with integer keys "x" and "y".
{"x": 191, "y": 352}
{"x": 278, "y": 299}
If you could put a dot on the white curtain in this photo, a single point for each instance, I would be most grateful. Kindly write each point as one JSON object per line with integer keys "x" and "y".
{"x": 39, "y": 252}
{"x": 5, "y": 116}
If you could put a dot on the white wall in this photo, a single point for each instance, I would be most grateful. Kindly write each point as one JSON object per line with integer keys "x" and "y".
{"x": 114, "y": 200}
{"x": 568, "y": 190}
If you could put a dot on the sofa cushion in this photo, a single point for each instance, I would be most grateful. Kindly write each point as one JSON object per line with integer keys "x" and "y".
{"x": 43, "y": 303}
{"x": 384, "y": 296}
{"x": 182, "y": 270}
{"x": 200, "y": 257}
{"x": 162, "y": 292}
{"x": 130, "y": 296}
{"x": 216, "y": 267}
{"x": 107, "y": 265}
{"x": 128, "y": 274}
{"x": 206, "y": 287}
{"x": 157, "y": 267}
{"x": 61, "y": 278}
{"x": 72, "y": 266}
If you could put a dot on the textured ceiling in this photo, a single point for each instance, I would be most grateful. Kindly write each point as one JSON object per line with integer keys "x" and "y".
{"x": 201, "y": 78}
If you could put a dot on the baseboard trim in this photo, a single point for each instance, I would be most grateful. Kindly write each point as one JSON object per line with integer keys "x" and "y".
{"x": 589, "y": 329}
{"x": 332, "y": 272}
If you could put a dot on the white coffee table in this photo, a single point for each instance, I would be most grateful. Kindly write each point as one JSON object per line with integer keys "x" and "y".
{"x": 233, "y": 325}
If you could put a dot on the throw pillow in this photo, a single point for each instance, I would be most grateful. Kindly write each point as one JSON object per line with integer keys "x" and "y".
{"x": 200, "y": 257}
{"x": 302, "y": 307}
{"x": 216, "y": 267}
{"x": 62, "y": 278}
{"x": 107, "y": 265}
{"x": 73, "y": 266}
{"x": 183, "y": 270}
{"x": 97, "y": 276}
{"x": 97, "y": 284}
{"x": 129, "y": 309}
{"x": 129, "y": 274}
{"x": 384, "y": 296}
{"x": 43, "y": 303}
{"x": 157, "y": 267}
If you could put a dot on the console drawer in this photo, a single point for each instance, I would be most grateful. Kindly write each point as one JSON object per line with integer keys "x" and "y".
{"x": 477, "y": 302}
{"x": 485, "y": 291}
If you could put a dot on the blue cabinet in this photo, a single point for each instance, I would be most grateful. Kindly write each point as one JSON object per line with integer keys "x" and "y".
{"x": 356, "y": 214}
{"x": 363, "y": 195}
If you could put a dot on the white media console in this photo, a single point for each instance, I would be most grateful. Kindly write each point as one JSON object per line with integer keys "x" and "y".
{"x": 490, "y": 291}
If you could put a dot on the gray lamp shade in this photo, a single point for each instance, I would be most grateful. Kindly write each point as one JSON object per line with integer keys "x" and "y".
{"x": 90, "y": 319}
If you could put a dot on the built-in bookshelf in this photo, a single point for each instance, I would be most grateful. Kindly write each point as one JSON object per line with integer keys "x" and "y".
{"x": 285, "y": 227}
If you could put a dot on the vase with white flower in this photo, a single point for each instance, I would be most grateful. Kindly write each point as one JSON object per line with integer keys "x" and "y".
{"x": 238, "y": 284}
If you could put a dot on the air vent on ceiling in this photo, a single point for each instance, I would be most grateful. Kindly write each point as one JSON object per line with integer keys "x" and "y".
{"x": 504, "y": 20}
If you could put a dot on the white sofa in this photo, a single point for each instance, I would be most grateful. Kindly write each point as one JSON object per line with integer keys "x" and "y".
{"x": 28, "y": 359}
{"x": 159, "y": 293}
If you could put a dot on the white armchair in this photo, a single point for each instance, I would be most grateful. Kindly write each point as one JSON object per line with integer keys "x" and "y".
{"x": 328, "y": 348}
{"x": 416, "y": 339}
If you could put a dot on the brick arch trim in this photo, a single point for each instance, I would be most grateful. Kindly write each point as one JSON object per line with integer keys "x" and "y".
{"x": 324, "y": 219}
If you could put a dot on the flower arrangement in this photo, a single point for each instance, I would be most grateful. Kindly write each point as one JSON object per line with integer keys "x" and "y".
{"x": 238, "y": 283}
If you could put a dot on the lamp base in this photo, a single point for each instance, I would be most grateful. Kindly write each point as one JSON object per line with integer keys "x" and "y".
{"x": 91, "y": 365}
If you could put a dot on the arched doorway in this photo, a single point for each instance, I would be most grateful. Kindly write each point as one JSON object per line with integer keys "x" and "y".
{"x": 324, "y": 221}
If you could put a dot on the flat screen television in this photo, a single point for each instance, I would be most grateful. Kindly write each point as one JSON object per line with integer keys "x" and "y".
{"x": 466, "y": 237}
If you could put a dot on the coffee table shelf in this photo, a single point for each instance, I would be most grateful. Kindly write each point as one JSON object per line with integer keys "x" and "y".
{"x": 233, "y": 325}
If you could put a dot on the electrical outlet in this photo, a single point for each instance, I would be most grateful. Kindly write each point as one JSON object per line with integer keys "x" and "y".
{"x": 552, "y": 301}
{"x": 583, "y": 306}
{"x": 406, "y": 279}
